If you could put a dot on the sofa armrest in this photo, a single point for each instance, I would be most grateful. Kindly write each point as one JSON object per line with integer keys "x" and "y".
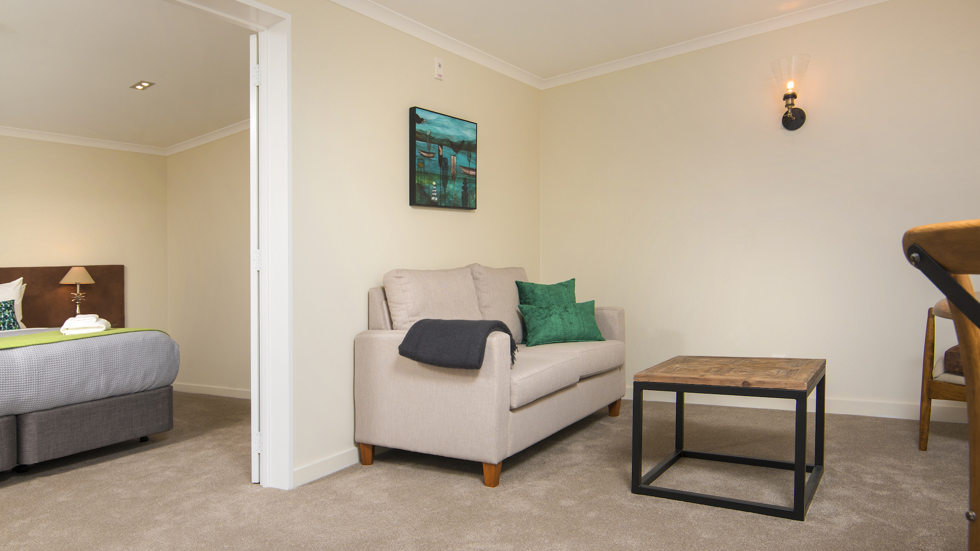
{"x": 404, "y": 404}
{"x": 612, "y": 322}
{"x": 378, "y": 315}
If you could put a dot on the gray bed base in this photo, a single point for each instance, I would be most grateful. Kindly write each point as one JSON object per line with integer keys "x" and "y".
{"x": 38, "y": 436}
{"x": 8, "y": 443}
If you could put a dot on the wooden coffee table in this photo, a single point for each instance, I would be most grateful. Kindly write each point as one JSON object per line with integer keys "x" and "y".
{"x": 792, "y": 379}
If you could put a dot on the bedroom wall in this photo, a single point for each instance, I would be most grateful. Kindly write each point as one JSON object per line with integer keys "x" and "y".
{"x": 353, "y": 82}
{"x": 207, "y": 249}
{"x": 672, "y": 189}
{"x": 78, "y": 205}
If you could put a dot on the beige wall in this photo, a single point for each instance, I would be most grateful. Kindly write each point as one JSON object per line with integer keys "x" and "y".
{"x": 207, "y": 243}
{"x": 75, "y": 205}
{"x": 673, "y": 190}
{"x": 353, "y": 82}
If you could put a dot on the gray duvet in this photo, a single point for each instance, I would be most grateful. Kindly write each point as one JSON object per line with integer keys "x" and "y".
{"x": 34, "y": 378}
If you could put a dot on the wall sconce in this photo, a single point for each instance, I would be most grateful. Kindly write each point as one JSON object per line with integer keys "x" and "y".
{"x": 789, "y": 72}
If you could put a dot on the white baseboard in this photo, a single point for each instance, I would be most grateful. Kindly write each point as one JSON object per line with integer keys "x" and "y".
{"x": 323, "y": 467}
{"x": 942, "y": 410}
{"x": 213, "y": 390}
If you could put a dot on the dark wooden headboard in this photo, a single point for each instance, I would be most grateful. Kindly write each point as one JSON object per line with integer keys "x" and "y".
{"x": 47, "y": 303}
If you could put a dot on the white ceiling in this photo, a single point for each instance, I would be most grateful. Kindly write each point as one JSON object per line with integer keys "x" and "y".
{"x": 548, "y": 43}
{"x": 66, "y": 67}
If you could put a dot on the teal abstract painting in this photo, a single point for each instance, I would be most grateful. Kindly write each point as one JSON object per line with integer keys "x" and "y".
{"x": 442, "y": 153}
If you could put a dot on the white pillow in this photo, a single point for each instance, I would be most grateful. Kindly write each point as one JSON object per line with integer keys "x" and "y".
{"x": 15, "y": 291}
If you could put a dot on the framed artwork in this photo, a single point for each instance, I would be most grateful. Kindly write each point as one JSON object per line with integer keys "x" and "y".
{"x": 442, "y": 160}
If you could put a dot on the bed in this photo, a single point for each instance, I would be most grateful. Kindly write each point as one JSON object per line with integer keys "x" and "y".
{"x": 62, "y": 398}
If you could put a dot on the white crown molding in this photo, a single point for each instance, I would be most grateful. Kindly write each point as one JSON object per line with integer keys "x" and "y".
{"x": 753, "y": 29}
{"x": 209, "y": 137}
{"x": 243, "y": 13}
{"x": 122, "y": 146}
{"x": 411, "y": 27}
{"x": 79, "y": 140}
{"x": 418, "y": 30}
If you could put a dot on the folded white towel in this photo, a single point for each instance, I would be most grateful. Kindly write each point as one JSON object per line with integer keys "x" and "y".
{"x": 79, "y": 327}
{"x": 84, "y": 320}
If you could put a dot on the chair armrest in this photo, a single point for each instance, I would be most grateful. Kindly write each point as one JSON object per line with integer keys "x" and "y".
{"x": 612, "y": 322}
{"x": 404, "y": 404}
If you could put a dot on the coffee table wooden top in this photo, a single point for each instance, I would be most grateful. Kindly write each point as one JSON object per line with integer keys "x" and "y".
{"x": 772, "y": 373}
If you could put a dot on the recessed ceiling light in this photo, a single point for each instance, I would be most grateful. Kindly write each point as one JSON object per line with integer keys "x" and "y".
{"x": 142, "y": 85}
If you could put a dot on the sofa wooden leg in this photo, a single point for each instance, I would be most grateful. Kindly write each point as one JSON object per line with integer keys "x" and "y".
{"x": 491, "y": 474}
{"x": 614, "y": 408}
{"x": 367, "y": 454}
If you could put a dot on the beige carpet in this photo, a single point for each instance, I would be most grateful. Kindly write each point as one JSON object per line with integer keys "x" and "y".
{"x": 189, "y": 489}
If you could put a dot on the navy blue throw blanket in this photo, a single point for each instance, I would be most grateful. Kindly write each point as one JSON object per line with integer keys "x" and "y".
{"x": 452, "y": 343}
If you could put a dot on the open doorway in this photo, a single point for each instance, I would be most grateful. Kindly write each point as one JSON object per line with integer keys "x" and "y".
{"x": 90, "y": 148}
{"x": 271, "y": 241}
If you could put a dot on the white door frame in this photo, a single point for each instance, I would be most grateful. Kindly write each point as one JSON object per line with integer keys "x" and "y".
{"x": 273, "y": 387}
{"x": 255, "y": 254}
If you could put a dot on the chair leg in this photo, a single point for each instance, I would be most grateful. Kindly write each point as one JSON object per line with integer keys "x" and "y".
{"x": 367, "y": 454}
{"x": 968, "y": 336}
{"x": 614, "y": 408}
{"x": 491, "y": 474}
{"x": 928, "y": 361}
{"x": 973, "y": 438}
{"x": 925, "y": 415}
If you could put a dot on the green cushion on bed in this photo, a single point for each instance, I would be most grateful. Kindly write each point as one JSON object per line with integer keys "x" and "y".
{"x": 537, "y": 294}
{"x": 8, "y": 316}
{"x": 560, "y": 323}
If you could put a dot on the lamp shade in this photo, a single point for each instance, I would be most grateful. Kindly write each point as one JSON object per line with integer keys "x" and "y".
{"x": 76, "y": 275}
{"x": 790, "y": 70}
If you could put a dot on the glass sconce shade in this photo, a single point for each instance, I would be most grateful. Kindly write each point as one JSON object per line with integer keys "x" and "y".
{"x": 789, "y": 71}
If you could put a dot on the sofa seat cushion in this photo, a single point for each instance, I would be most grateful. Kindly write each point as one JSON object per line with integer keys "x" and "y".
{"x": 435, "y": 294}
{"x": 542, "y": 370}
{"x": 592, "y": 358}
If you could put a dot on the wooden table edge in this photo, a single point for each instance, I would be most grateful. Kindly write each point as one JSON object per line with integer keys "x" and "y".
{"x": 708, "y": 380}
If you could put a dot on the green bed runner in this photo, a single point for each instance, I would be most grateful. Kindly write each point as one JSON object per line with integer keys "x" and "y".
{"x": 49, "y": 337}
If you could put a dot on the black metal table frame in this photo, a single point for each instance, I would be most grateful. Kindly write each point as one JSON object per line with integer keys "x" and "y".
{"x": 803, "y": 489}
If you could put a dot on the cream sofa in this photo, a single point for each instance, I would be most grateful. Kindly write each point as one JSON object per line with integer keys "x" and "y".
{"x": 487, "y": 414}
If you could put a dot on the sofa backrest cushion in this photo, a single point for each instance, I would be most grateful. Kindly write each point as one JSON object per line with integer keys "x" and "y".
{"x": 435, "y": 294}
{"x": 496, "y": 291}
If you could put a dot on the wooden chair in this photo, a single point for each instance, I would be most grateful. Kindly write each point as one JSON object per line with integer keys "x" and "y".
{"x": 947, "y": 253}
{"x": 935, "y": 389}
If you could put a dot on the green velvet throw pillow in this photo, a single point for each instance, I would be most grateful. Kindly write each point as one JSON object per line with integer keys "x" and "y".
{"x": 8, "y": 316}
{"x": 560, "y": 323}
{"x": 537, "y": 294}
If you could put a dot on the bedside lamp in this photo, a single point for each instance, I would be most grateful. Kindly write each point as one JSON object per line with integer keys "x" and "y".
{"x": 77, "y": 275}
